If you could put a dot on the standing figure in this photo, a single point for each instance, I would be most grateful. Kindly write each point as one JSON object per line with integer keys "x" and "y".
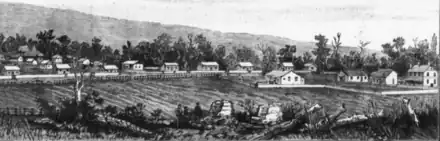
{"x": 198, "y": 112}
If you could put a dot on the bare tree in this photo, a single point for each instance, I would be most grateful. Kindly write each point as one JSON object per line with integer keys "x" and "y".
{"x": 415, "y": 41}
{"x": 79, "y": 70}
{"x": 363, "y": 45}
{"x": 336, "y": 43}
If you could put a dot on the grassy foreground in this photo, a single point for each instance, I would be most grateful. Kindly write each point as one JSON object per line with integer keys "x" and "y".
{"x": 166, "y": 95}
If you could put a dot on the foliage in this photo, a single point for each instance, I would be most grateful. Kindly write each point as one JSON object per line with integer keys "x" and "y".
{"x": 321, "y": 52}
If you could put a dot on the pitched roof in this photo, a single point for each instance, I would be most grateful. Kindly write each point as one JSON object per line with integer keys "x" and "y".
{"x": 29, "y": 59}
{"x": 110, "y": 67}
{"x": 355, "y": 73}
{"x": 57, "y": 56}
{"x": 309, "y": 65}
{"x": 245, "y": 64}
{"x": 420, "y": 68}
{"x": 290, "y": 64}
{"x": 413, "y": 78}
{"x": 45, "y": 62}
{"x": 381, "y": 73}
{"x": 210, "y": 63}
{"x": 130, "y": 62}
{"x": 277, "y": 73}
{"x": 171, "y": 64}
{"x": 62, "y": 66}
{"x": 12, "y": 68}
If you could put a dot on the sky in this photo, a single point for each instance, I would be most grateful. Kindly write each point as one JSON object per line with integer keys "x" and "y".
{"x": 378, "y": 21}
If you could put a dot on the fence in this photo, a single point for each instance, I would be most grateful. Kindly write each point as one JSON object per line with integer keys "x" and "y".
{"x": 106, "y": 77}
{"x": 13, "y": 111}
{"x": 406, "y": 92}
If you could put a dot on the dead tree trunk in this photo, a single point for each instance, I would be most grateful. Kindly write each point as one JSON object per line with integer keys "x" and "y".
{"x": 282, "y": 127}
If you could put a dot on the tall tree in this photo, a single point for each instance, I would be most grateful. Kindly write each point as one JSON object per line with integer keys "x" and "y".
{"x": 97, "y": 47}
{"x": 269, "y": 57}
{"x": 321, "y": 52}
{"x": 65, "y": 41}
{"x": 45, "y": 39}
{"x": 287, "y": 53}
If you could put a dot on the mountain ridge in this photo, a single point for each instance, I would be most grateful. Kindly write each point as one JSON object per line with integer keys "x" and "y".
{"x": 29, "y": 19}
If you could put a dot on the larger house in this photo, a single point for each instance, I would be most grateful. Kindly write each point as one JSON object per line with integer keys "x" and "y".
{"x": 208, "y": 66}
{"x": 353, "y": 76}
{"x": 422, "y": 74}
{"x": 284, "y": 78}
{"x": 132, "y": 65}
{"x": 286, "y": 66}
{"x": 10, "y": 70}
{"x": 170, "y": 67}
{"x": 384, "y": 76}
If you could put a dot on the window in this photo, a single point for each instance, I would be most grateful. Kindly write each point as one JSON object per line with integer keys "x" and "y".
{"x": 427, "y": 81}
{"x": 427, "y": 73}
{"x": 435, "y": 81}
{"x": 351, "y": 77}
{"x": 296, "y": 78}
{"x": 365, "y": 77}
{"x": 358, "y": 77}
{"x": 284, "y": 78}
{"x": 288, "y": 78}
{"x": 434, "y": 73}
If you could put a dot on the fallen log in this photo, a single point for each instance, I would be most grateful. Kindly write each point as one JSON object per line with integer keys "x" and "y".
{"x": 284, "y": 126}
{"x": 411, "y": 110}
{"x": 328, "y": 120}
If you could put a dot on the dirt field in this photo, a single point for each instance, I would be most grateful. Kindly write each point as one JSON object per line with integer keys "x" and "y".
{"x": 167, "y": 94}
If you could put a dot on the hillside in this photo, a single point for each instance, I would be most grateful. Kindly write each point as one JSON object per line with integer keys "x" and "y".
{"x": 29, "y": 19}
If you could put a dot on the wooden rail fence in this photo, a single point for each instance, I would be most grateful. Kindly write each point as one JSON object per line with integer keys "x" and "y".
{"x": 14, "y": 111}
{"x": 68, "y": 80}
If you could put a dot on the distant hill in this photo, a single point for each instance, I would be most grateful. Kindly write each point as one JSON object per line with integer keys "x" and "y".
{"x": 30, "y": 19}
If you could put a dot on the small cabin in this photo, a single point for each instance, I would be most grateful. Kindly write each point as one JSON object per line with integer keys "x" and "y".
{"x": 170, "y": 67}
{"x": 208, "y": 66}
{"x": 311, "y": 67}
{"x": 84, "y": 61}
{"x": 16, "y": 59}
{"x": 57, "y": 59}
{"x": 111, "y": 68}
{"x": 384, "y": 76}
{"x": 46, "y": 65}
{"x": 31, "y": 61}
{"x": 245, "y": 66}
{"x": 353, "y": 76}
{"x": 10, "y": 70}
{"x": 284, "y": 78}
{"x": 62, "y": 68}
{"x": 286, "y": 66}
{"x": 132, "y": 65}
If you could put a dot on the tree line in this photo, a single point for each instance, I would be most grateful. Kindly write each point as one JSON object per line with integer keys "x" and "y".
{"x": 189, "y": 51}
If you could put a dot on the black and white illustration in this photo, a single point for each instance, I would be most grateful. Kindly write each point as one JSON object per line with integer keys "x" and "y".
{"x": 219, "y": 70}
